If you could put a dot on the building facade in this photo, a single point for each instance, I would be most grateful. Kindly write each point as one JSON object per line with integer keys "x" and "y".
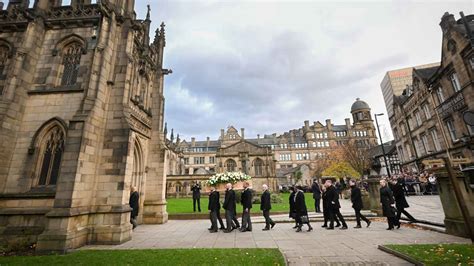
{"x": 81, "y": 120}
{"x": 428, "y": 117}
{"x": 290, "y": 150}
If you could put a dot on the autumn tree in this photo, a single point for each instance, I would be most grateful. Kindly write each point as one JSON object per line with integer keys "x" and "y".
{"x": 341, "y": 169}
{"x": 356, "y": 156}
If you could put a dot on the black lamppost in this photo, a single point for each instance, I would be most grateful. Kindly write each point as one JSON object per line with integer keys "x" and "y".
{"x": 381, "y": 143}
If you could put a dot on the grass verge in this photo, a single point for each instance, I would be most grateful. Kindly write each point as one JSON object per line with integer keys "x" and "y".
{"x": 155, "y": 257}
{"x": 438, "y": 254}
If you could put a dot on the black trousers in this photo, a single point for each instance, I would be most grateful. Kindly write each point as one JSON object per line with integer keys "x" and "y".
{"x": 133, "y": 221}
{"x": 336, "y": 213}
{"x": 231, "y": 220}
{"x": 402, "y": 210}
{"x": 198, "y": 200}
{"x": 268, "y": 220}
{"x": 221, "y": 223}
{"x": 327, "y": 217}
{"x": 213, "y": 217}
{"x": 317, "y": 204}
{"x": 392, "y": 221}
{"x": 246, "y": 222}
{"x": 360, "y": 216}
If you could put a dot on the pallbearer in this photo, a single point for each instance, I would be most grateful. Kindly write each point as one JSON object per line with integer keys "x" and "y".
{"x": 266, "y": 206}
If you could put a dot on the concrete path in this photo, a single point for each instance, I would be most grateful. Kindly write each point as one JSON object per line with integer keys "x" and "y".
{"x": 426, "y": 208}
{"x": 319, "y": 247}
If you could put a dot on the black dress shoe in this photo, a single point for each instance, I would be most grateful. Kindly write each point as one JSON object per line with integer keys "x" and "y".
{"x": 390, "y": 228}
{"x": 243, "y": 230}
{"x": 324, "y": 225}
{"x": 329, "y": 228}
{"x": 358, "y": 226}
{"x": 213, "y": 231}
{"x": 398, "y": 226}
{"x": 294, "y": 227}
{"x": 273, "y": 225}
{"x": 337, "y": 225}
{"x": 368, "y": 223}
{"x": 343, "y": 228}
{"x": 227, "y": 231}
{"x": 310, "y": 229}
{"x": 265, "y": 229}
{"x": 222, "y": 228}
{"x": 210, "y": 228}
{"x": 299, "y": 229}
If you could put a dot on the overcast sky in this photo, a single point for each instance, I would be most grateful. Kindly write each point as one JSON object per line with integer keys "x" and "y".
{"x": 269, "y": 65}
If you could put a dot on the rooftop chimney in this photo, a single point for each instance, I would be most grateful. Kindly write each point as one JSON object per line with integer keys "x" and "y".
{"x": 348, "y": 122}
{"x": 193, "y": 142}
{"x": 208, "y": 141}
{"x": 258, "y": 136}
{"x": 242, "y": 132}
{"x": 328, "y": 124}
{"x": 306, "y": 124}
{"x": 222, "y": 134}
{"x": 447, "y": 21}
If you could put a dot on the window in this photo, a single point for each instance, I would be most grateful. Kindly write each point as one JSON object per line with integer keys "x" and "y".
{"x": 50, "y": 155}
{"x": 198, "y": 160}
{"x": 285, "y": 157}
{"x": 418, "y": 118}
{"x": 258, "y": 164}
{"x": 395, "y": 134}
{"x": 284, "y": 146}
{"x": 212, "y": 159}
{"x": 410, "y": 122}
{"x": 451, "y": 129}
{"x": 440, "y": 94}
{"x": 426, "y": 110}
{"x": 418, "y": 147}
{"x": 71, "y": 62}
{"x": 426, "y": 145}
{"x": 314, "y": 144}
{"x": 470, "y": 129}
{"x": 403, "y": 128}
{"x": 400, "y": 152}
{"x": 455, "y": 82}
{"x": 326, "y": 143}
{"x": 230, "y": 165}
{"x": 434, "y": 136}
{"x": 186, "y": 160}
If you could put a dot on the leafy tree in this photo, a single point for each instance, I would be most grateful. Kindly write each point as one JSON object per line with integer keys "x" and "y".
{"x": 341, "y": 169}
{"x": 298, "y": 176}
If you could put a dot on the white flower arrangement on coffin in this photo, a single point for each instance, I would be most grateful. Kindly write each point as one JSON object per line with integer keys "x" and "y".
{"x": 227, "y": 177}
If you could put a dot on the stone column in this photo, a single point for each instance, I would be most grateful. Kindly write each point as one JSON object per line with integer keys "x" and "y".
{"x": 453, "y": 220}
{"x": 374, "y": 195}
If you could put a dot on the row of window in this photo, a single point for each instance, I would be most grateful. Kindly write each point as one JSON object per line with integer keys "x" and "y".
{"x": 302, "y": 156}
{"x": 200, "y": 160}
{"x": 324, "y": 135}
{"x": 360, "y": 133}
{"x": 200, "y": 149}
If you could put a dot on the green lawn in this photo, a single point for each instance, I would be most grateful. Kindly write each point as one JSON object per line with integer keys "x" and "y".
{"x": 155, "y": 257}
{"x": 185, "y": 205}
{"x": 438, "y": 254}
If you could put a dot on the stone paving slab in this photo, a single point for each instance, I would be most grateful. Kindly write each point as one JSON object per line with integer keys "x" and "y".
{"x": 319, "y": 247}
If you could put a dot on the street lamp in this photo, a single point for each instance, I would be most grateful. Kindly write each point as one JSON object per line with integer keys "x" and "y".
{"x": 381, "y": 143}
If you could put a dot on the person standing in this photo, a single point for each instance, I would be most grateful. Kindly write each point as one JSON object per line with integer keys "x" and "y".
{"x": 196, "y": 188}
{"x": 400, "y": 201}
{"x": 387, "y": 201}
{"x": 301, "y": 212}
{"x": 316, "y": 196}
{"x": 334, "y": 206}
{"x": 230, "y": 209}
{"x": 246, "y": 201}
{"x": 265, "y": 207}
{"x": 134, "y": 203}
{"x": 213, "y": 208}
{"x": 356, "y": 199}
{"x": 292, "y": 213}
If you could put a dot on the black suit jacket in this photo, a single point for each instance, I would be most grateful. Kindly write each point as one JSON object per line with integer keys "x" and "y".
{"x": 316, "y": 191}
{"x": 332, "y": 198}
{"x": 399, "y": 195}
{"x": 386, "y": 198}
{"x": 196, "y": 191}
{"x": 300, "y": 204}
{"x": 134, "y": 203}
{"x": 229, "y": 201}
{"x": 356, "y": 198}
{"x": 246, "y": 199}
{"x": 214, "y": 204}
{"x": 292, "y": 204}
{"x": 265, "y": 202}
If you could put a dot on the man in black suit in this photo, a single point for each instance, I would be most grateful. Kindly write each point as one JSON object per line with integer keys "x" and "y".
{"x": 301, "y": 212}
{"x": 134, "y": 203}
{"x": 213, "y": 208}
{"x": 265, "y": 207}
{"x": 334, "y": 205}
{"x": 230, "y": 209}
{"x": 196, "y": 188}
{"x": 316, "y": 196}
{"x": 326, "y": 206}
{"x": 246, "y": 201}
{"x": 292, "y": 213}
{"x": 400, "y": 200}
{"x": 356, "y": 199}
{"x": 387, "y": 202}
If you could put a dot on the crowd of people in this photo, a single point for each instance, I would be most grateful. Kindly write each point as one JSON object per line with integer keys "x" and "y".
{"x": 392, "y": 200}
{"x": 417, "y": 184}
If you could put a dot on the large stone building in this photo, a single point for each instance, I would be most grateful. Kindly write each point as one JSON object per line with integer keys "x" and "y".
{"x": 295, "y": 150}
{"x": 428, "y": 117}
{"x": 81, "y": 120}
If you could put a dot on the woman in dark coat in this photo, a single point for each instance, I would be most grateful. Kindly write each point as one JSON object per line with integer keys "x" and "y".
{"x": 301, "y": 212}
{"x": 387, "y": 201}
{"x": 400, "y": 200}
{"x": 326, "y": 208}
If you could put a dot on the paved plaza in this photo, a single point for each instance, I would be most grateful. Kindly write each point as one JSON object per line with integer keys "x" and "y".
{"x": 318, "y": 247}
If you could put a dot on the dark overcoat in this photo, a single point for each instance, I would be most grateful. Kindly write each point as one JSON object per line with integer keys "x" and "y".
{"x": 333, "y": 198}
{"x": 356, "y": 198}
{"x": 246, "y": 199}
{"x": 134, "y": 203}
{"x": 386, "y": 198}
{"x": 399, "y": 195}
{"x": 213, "y": 204}
{"x": 300, "y": 204}
{"x": 265, "y": 202}
{"x": 316, "y": 191}
{"x": 229, "y": 200}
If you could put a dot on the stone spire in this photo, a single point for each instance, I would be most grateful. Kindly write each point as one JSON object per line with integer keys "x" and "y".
{"x": 172, "y": 135}
{"x": 146, "y": 26}
{"x": 165, "y": 131}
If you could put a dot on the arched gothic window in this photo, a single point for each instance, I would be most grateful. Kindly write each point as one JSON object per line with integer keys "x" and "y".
{"x": 4, "y": 51}
{"x": 230, "y": 165}
{"x": 49, "y": 161}
{"x": 71, "y": 61}
{"x": 258, "y": 164}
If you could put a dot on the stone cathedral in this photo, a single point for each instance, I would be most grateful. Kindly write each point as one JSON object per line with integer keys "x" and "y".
{"x": 81, "y": 120}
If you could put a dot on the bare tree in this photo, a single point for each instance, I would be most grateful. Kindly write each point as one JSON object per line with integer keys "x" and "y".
{"x": 356, "y": 156}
